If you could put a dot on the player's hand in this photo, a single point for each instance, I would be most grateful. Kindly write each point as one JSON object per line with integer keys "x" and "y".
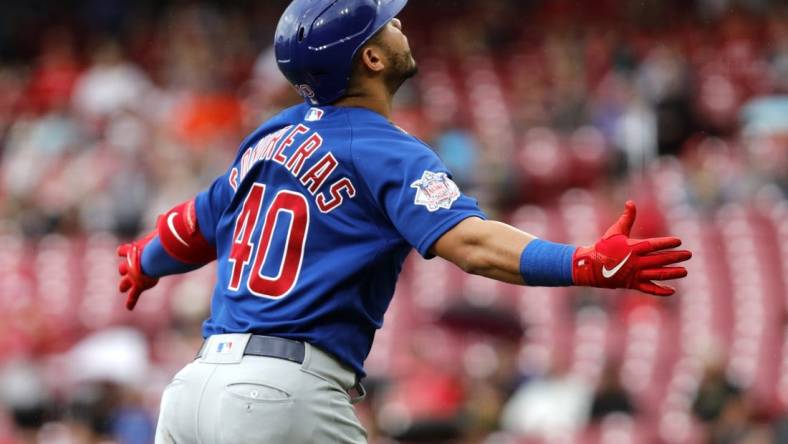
{"x": 616, "y": 261}
{"x": 132, "y": 279}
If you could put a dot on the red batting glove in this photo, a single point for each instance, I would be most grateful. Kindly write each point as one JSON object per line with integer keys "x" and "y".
{"x": 616, "y": 261}
{"x": 132, "y": 279}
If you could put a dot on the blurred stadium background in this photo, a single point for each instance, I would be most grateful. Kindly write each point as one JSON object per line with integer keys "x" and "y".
{"x": 552, "y": 112}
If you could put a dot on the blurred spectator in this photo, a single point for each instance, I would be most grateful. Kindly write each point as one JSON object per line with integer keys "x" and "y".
{"x": 725, "y": 407}
{"x": 714, "y": 393}
{"x": 110, "y": 85}
{"x": 736, "y": 425}
{"x": 459, "y": 151}
{"x": 131, "y": 421}
{"x": 635, "y": 133}
{"x": 554, "y": 406}
{"x": 765, "y": 130}
{"x": 662, "y": 79}
{"x": 490, "y": 337}
{"x": 781, "y": 430}
{"x": 610, "y": 396}
{"x": 23, "y": 391}
{"x": 57, "y": 70}
{"x": 424, "y": 403}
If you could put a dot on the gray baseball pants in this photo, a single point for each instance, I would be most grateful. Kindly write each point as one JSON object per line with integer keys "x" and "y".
{"x": 260, "y": 400}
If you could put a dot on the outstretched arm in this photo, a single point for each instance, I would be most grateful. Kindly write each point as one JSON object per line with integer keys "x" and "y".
{"x": 502, "y": 252}
{"x": 487, "y": 248}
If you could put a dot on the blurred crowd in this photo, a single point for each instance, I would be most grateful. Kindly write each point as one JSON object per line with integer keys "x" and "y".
{"x": 111, "y": 111}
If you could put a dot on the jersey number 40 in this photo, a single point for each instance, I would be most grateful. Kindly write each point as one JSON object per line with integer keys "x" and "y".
{"x": 243, "y": 245}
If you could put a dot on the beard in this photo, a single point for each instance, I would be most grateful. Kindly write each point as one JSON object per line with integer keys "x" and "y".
{"x": 402, "y": 67}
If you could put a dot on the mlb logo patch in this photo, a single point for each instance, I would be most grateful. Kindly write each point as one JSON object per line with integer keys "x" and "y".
{"x": 435, "y": 191}
{"x": 314, "y": 114}
{"x": 224, "y": 347}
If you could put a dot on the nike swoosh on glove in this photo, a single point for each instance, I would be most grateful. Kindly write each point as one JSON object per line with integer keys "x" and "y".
{"x": 132, "y": 279}
{"x": 616, "y": 261}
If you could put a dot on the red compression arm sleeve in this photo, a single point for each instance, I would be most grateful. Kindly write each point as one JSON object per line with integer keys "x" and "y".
{"x": 179, "y": 233}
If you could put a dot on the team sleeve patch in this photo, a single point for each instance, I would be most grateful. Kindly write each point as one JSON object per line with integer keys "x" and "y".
{"x": 435, "y": 191}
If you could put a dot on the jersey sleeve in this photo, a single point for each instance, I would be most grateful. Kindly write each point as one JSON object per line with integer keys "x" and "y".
{"x": 411, "y": 185}
{"x": 211, "y": 202}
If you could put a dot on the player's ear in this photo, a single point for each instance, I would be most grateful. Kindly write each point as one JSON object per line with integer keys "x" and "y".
{"x": 372, "y": 58}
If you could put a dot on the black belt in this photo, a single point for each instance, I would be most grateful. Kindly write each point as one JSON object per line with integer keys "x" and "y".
{"x": 274, "y": 347}
{"x": 270, "y": 347}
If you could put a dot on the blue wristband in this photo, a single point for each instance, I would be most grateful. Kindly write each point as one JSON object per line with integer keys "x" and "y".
{"x": 547, "y": 264}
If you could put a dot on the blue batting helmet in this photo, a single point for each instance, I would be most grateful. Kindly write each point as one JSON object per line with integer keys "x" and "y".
{"x": 316, "y": 41}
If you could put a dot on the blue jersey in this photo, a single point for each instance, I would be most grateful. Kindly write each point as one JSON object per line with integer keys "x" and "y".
{"x": 313, "y": 221}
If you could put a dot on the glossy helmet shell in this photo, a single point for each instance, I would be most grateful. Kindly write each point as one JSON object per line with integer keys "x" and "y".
{"x": 316, "y": 41}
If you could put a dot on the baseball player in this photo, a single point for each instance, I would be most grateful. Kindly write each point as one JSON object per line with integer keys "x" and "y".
{"x": 310, "y": 226}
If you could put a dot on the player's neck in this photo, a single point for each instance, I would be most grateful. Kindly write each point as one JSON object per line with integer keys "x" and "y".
{"x": 375, "y": 100}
